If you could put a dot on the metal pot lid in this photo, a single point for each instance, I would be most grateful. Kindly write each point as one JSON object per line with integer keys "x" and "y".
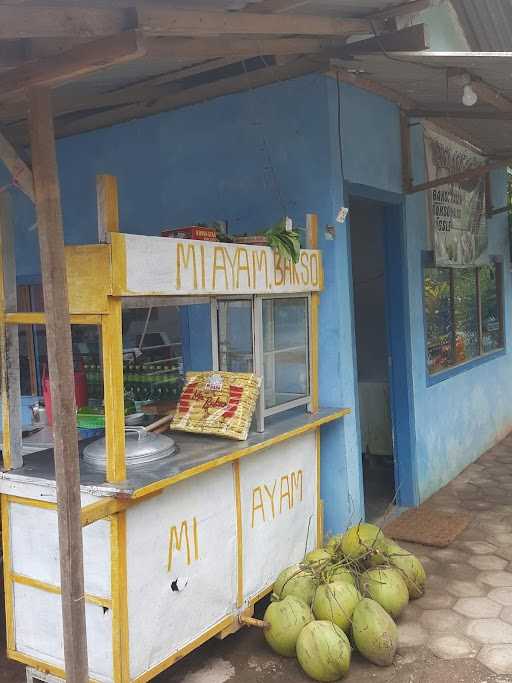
{"x": 142, "y": 447}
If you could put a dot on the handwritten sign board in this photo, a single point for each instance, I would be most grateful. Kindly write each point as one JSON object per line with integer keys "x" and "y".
{"x": 456, "y": 210}
{"x": 167, "y": 266}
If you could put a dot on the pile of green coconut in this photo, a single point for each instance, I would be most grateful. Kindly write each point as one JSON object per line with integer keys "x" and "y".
{"x": 344, "y": 595}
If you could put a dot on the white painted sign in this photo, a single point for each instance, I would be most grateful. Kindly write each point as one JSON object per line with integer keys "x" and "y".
{"x": 167, "y": 266}
{"x": 456, "y": 210}
{"x": 181, "y": 551}
{"x": 279, "y": 514}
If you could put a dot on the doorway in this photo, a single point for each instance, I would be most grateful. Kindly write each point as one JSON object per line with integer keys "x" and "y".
{"x": 372, "y": 339}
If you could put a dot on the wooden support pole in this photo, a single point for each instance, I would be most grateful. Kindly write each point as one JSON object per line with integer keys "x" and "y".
{"x": 60, "y": 366}
{"x": 112, "y": 341}
{"x": 312, "y": 237}
{"x": 9, "y": 342}
{"x": 405, "y": 141}
{"x": 17, "y": 167}
{"x": 108, "y": 207}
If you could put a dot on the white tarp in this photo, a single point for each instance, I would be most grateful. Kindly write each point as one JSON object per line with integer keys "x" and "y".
{"x": 456, "y": 211}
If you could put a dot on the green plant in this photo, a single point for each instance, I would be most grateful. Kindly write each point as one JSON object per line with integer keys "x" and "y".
{"x": 286, "y": 243}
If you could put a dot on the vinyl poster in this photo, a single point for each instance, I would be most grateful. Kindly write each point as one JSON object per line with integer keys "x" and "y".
{"x": 456, "y": 210}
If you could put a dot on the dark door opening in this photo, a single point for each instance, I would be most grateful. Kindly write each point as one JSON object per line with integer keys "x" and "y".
{"x": 367, "y": 231}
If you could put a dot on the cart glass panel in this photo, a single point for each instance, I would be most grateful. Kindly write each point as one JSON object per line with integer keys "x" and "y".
{"x": 235, "y": 335}
{"x": 286, "y": 350}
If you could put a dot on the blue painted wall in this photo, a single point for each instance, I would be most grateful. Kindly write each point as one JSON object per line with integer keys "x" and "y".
{"x": 249, "y": 159}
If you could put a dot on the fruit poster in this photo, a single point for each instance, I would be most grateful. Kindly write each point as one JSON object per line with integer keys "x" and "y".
{"x": 456, "y": 211}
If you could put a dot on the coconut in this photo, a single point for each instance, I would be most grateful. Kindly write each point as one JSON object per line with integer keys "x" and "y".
{"x": 340, "y": 575}
{"x": 297, "y": 581}
{"x": 386, "y": 586}
{"x": 333, "y": 545}
{"x": 375, "y": 633}
{"x": 318, "y": 557}
{"x": 380, "y": 556}
{"x": 323, "y": 651}
{"x": 410, "y": 568}
{"x": 336, "y": 602}
{"x": 360, "y": 540}
{"x": 287, "y": 618}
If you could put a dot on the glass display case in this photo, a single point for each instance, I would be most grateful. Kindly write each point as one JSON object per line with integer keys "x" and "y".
{"x": 270, "y": 337}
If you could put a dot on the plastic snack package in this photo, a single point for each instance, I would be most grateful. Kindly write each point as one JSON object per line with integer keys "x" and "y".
{"x": 219, "y": 403}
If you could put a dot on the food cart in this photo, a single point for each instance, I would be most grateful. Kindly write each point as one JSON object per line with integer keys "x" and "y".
{"x": 179, "y": 548}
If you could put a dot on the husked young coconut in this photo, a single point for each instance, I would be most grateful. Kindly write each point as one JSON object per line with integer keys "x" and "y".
{"x": 323, "y": 651}
{"x": 333, "y": 545}
{"x": 287, "y": 618}
{"x": 375, "y": 633}
{"x": 318, "y": 557}
{"x": 340, "y": 575}
{"x": 297, "y": 581}
{"x": 410, "y": 568}
{"x": 336, "y": 602}
{"x": 386, "y": 586}
{"x": 360, "y": 540}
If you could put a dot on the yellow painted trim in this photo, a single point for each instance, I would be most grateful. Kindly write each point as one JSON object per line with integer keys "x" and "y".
{"x": 205, "y": 467}
{"x": 108, "y": 203}
{"x": 39, "y": 665}
{"x": 6, "y": 426}
{"x": 40, "y": 319}
{"x": 102, "y": 509}
{"x": 319, "y": 523}
{"x": 8, "y": 585}
{"x": 119, "y": 579}
{"x": 315, "y": 300}
{"x": 119, "y": 270}
{"x": 179, "y": 654}
{"x": 50, "y": 588}
{"x": 89, "y": 276}
{"x": 261, "y": 594}
{"x": 32, "y": 502}
{"x": 239, "y": 536}
{"x": 113, "y": 391}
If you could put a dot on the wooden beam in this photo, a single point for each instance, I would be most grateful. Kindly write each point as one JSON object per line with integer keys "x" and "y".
{"x": 158, "y": 21}
{"x": 60, "y": 366}
{"x": 407, "y": 39}
{"x": 185, "y": 98}
{"x": 401, "y": 10}
{"x": 29, "y": 21}
{"x": 211, "y": 48}
{"x": 475, "y": 172}
{"x": 360, "y": 81}
{"x": 21, "y": 173}
{"x": 74, "y": 63}
{"x": 469, "y": 113}
{"x": 490, "y": 95}
{"x": 276, "y": 6}
{"x": 405, "y": 144}
{"x": 9, "y": 342}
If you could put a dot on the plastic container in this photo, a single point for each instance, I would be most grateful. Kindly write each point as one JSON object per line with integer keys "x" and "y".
{"x": 80, "y": 391}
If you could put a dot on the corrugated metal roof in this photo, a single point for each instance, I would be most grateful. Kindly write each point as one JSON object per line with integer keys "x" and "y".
{"x": 486, "y": 23}
{"x": 424, "y": 79}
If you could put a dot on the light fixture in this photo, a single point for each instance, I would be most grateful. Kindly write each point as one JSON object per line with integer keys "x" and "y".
{"x": 469, "y": 97}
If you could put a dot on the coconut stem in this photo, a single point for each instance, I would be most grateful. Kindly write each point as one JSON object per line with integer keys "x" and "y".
{"x": 251, "y": 621}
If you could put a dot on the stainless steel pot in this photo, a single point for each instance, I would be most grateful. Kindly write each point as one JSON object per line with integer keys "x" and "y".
{"x": 142, "y": 447}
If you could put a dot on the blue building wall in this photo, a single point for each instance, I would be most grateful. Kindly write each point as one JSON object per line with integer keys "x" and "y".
{"x": 249, "y": 159}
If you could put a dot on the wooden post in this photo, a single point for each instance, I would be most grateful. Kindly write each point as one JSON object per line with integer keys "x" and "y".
{"x": 312, "y": 240}
{"x": 108, "y": 208}
{"x": 405, "y": 141}
{"x": 9, "y": 342}
{"x": 61, "y": 372}
{"x": 112, "y": 340}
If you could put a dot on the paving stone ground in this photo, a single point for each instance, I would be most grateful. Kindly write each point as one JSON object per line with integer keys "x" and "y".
{"x": 459, "y": 632}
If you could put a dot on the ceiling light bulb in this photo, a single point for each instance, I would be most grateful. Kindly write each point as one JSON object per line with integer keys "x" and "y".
{"x": 469, "y": 98}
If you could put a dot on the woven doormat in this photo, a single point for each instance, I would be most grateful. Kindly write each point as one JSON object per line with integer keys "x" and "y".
{"x": 427, "y": 527}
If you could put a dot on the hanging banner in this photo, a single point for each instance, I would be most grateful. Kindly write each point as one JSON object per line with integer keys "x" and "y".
{"x": 456, "y": 211}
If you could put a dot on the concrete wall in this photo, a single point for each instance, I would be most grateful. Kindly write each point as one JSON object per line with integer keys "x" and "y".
{"x": 250, "y": 158}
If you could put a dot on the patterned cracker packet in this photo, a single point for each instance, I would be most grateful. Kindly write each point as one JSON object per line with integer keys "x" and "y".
{"x": 219, "y": 403}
